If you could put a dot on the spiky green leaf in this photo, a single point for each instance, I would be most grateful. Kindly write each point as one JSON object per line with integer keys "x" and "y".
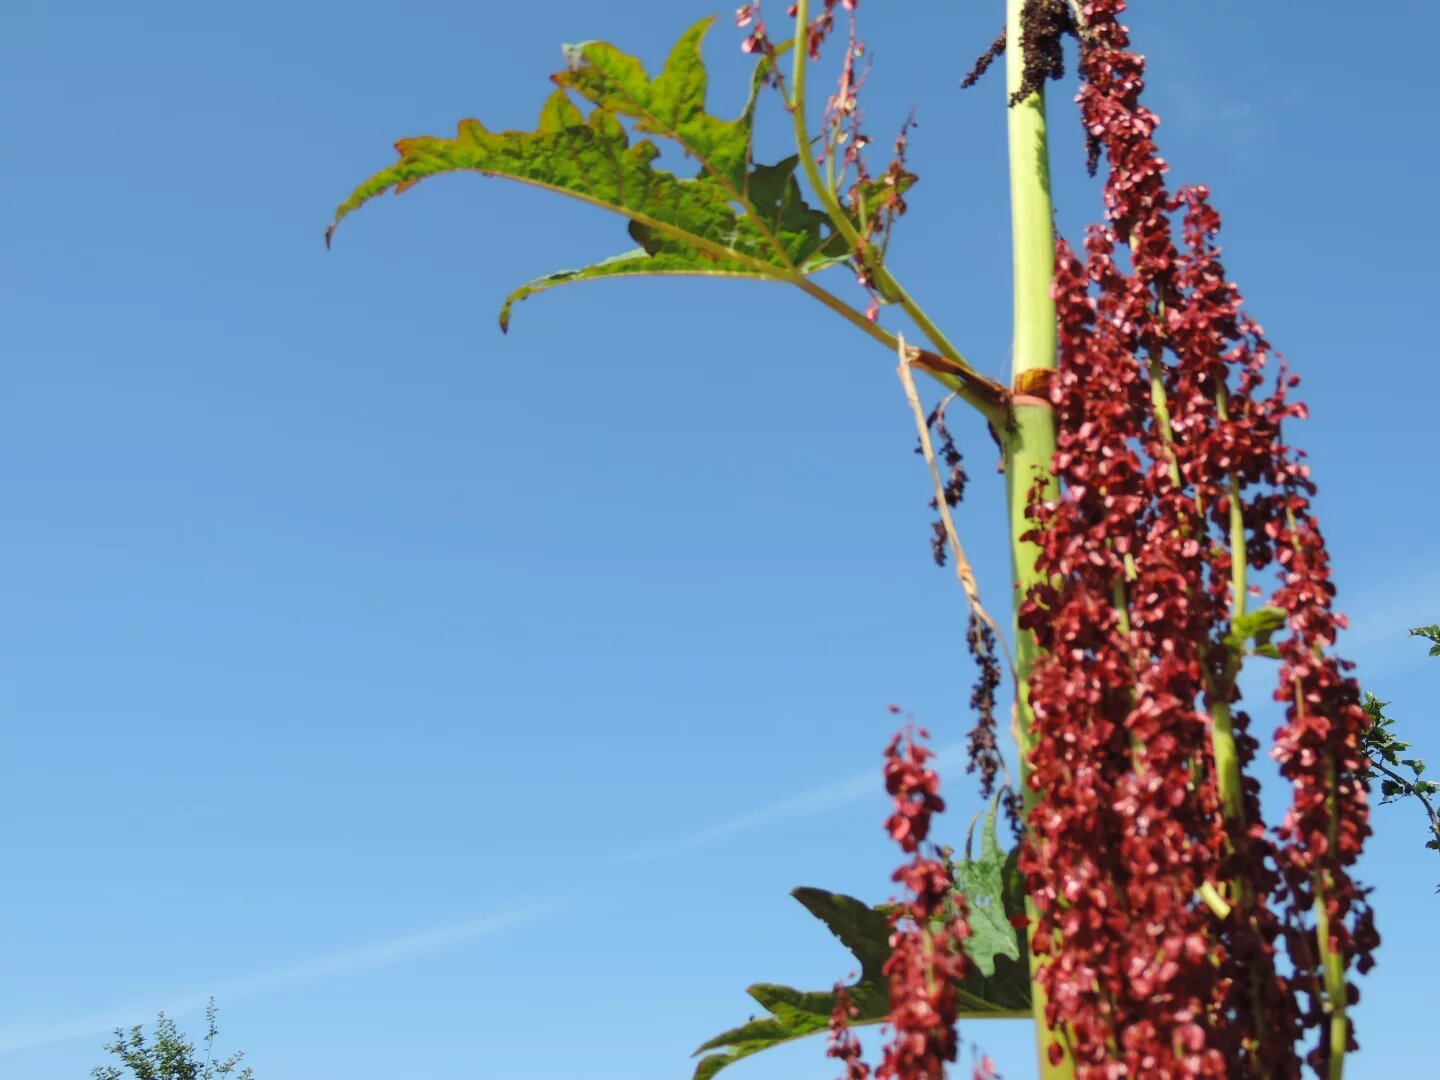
{"x": 671, "y": 105}
{"x": 733, "y": 219}
{"x": 999, "y": 988}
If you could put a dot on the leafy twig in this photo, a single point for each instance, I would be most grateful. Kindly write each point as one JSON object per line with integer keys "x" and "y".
{"x": 1383, "y": 751}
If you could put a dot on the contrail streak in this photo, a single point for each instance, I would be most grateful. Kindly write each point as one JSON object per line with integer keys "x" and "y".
{"x": 837, "y": 793}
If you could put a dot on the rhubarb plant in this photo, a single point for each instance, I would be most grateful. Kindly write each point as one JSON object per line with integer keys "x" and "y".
{"x": 1149, "y": 919}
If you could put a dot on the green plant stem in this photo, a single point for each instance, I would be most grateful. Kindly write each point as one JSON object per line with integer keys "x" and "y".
{"x": 1161, "y": 406}
{"x": 1029, "y": 441}
{"x": 1331, "y": 962}
{"x": 1222, "y": 727}
{"x": 1334, "y": 967}
{"x": 1238, "y": 561}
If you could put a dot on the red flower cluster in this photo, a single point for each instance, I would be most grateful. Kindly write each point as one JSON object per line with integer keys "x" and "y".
{"x": 815, "y": 33}
{"x": 843, "y": 1043}
{"x": 820, "y": 27}
{"x": 748, "y": 16}
{"x": 925, "y": 963}
{"x": 928, "y": 932}
{"x": 1167, "y": 448}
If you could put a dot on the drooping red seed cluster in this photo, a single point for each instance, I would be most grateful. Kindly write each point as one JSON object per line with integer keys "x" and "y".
{"x": 927, "y": 940}
{"x": 844, "y": 1045}
{"x": 925, "y": 964}
{"x": 1162, "y": 420}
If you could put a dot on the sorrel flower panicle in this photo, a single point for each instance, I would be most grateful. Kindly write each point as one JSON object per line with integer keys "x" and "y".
{"x": 1161, "y": 896}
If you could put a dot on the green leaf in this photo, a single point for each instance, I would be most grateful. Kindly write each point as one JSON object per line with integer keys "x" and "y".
{"x": 982, "y": 881}
{"x": 672, "y": 105}
{"x": 795, "y": 1014}
{"x": 999, "y": 988}
{"x": 1431, "y": 634}
{"x": 775, "y": 196}
{"x": 636, "y": 263}
{"x": 862, "y": 929}
{"x": 733, "y": 219}
{"x": 588, "y": 158}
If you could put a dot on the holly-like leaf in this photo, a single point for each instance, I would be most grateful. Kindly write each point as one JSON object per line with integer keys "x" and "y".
{"x": 983, "y": 881}
{"x": 1000, "y": 987}
{"x": 733, "y": 219}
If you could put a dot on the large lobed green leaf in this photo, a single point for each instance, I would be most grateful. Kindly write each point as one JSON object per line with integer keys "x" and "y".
{"x": 1000, "y": 987}
{"x": 733, "y": 219}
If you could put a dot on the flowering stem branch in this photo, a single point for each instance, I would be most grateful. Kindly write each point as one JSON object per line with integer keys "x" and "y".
{"x": 889, "y": 287}
{"x": 1228, "y": 776}
{"x": 1029, "y": 440}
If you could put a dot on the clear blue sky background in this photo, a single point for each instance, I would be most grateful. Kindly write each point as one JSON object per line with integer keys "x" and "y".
{"x": 351, "y": 653}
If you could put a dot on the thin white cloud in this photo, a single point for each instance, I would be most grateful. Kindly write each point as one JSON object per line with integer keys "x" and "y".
{"x": 843, "y": 792}
{"x": 31, "y": 1033}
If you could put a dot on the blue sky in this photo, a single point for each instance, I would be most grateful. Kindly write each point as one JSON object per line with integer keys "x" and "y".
{"x": 456, "y": 705}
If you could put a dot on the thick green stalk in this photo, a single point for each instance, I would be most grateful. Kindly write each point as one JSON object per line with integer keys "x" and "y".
{"x": 1030, "y": 441}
